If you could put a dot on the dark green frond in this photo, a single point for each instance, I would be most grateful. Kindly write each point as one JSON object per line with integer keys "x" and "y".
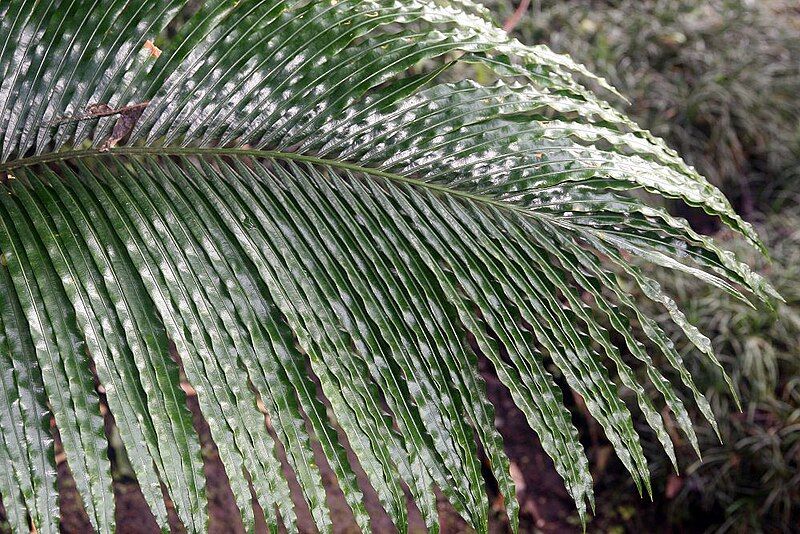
{"x": 290, "y": 195}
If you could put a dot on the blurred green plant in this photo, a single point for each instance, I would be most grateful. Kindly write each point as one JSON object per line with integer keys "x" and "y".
{"x": 717, "y": 79}
{"x": 750, "y": 482}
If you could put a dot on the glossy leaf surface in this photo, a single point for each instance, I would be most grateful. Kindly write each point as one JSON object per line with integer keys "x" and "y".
{"x": 330, "y": 236}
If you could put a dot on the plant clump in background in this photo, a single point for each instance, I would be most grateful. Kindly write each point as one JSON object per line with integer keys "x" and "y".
{"x": 749, "y": 477}
{"x": 718, "y": 79}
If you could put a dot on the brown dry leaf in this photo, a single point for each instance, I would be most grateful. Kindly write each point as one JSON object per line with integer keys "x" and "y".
{"x": 518, "y": 478}
{"x": 128, "y": 116}
{"x": 154, "y": 50}
{"x": 601, "y": 455}
{"x": 674, "y": 485}
{"x": 188, "y": 389}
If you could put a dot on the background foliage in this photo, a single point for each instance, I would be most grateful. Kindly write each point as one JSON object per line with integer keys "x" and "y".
{"x": 718, "y": 80}
{"x": 750, "y": 481}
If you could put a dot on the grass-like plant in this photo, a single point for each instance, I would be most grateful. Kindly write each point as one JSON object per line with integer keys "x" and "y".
{"x": 716, "y": 79}
{"x": 288, "y": 193}
{"x": 747, "y": 481}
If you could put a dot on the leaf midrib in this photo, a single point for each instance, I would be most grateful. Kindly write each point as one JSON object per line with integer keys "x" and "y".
{"x": 53, "y": 157}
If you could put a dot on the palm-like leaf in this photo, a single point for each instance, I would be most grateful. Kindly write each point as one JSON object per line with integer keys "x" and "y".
{"x": 288, "y": 191}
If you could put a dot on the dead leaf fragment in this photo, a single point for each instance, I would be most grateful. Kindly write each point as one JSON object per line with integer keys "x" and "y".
{"x": 674, "y": 485}
{"x": 128, "y": 117}
{"x": 154, "y": 50}
{"x": 517, "y": 477}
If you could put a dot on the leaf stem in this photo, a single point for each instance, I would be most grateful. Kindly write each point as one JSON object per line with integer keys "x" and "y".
{"x": 256, "y": 153}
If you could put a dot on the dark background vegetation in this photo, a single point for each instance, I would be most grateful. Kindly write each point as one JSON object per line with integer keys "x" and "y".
{"x": 720, "y": 81}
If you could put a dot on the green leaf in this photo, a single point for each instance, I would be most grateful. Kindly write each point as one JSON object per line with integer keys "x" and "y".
{"x": 26, "y": 418}
{"x": 330, "y": 236}
{"x": 63, "y": 360}
{"x": 110, "y": 298}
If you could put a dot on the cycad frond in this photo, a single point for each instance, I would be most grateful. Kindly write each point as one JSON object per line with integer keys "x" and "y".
{"x": 289, "y": 195}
